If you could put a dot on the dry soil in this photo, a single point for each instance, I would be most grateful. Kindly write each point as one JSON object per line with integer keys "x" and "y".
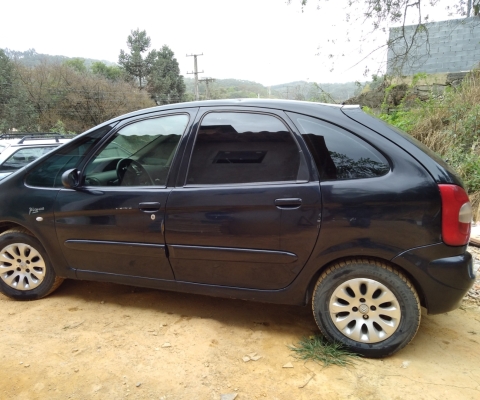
{"x": 104, "y": 341}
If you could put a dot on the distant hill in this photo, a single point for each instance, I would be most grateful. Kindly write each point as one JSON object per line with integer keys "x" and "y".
{"x": 226, "y": 88}
{"x": 31, "y": 58}
{"x": 299, "y": 90}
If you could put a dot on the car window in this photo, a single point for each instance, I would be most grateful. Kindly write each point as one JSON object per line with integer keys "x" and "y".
{"x": 49, "y": 172}
{"x": 338, "y": 154}
{"x": 234, "y": 148}
{"x": 24, "y": 156}
{"x": 139, "y": 154}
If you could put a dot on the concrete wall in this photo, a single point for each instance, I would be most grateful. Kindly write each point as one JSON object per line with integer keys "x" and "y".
{"x": 452, "y": 46}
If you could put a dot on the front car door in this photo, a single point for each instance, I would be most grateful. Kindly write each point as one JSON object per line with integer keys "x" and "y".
{"x": 246, "y": 212}
{"x": 114, "y": 222}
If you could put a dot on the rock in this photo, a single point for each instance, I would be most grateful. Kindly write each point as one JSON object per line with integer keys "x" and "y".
{"x": 228, "y": 396}
{"x": 246, "y": 359}
{"x": 405, "y": 364}
{"x": 251, "y": 355}
{"x": 138, "y": 384}
{"x": 256, "y": 358}
{"x": 288, "y": 365}
{"x": 166, "y": 344}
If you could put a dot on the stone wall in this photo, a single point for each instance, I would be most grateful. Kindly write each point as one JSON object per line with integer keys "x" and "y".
{"x": 447, "y": 46}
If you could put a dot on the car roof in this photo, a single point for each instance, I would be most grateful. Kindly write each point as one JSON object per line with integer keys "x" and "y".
{"x": 287, "y": 105}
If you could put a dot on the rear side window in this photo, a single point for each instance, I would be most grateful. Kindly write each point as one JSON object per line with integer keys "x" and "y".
{"x": 338, "y": 154}
{"x": 236, "y": 148}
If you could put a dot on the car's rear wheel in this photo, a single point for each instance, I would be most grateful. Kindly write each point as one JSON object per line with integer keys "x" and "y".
{"x": 368, "y": 306}
{"x": 25, "y": 270}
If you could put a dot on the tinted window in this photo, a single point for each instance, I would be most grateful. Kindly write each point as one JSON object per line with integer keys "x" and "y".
{"x": 233, "y": 148}
{"x": 139, "y": 154}
{"x": 24, "y": 156}
{"x": 49, "y": 172}
{"x": 339, "y": 154}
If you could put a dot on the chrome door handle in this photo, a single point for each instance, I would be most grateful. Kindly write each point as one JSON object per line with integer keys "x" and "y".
{"x": 288, "y": 203}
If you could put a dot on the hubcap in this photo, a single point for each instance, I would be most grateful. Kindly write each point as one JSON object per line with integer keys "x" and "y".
{"x": 365, "y": 310}
{"x": 21, "y": 266}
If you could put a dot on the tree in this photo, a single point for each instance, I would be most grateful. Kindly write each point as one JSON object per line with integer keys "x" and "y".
{"x": 380, "y": 15}
{"x": 78, "y": 64}
{"x": 112, "y": 73}
{"x": 134, "y": 64}
{"x": 15, "y": 110}
{"x": 164, "y": 83}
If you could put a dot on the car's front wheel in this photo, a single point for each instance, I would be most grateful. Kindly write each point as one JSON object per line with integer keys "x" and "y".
{"x": 368, "y": 306}
{"x": 25, "y": 270}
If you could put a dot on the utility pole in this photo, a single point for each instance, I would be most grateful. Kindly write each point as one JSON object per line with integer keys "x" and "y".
{"x": 288, "y": 87}
{"x": 207, "y": 81}
{"x": 195, "y": 72}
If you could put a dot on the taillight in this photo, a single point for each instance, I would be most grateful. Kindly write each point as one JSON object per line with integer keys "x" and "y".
{"x": 456, "y": 215}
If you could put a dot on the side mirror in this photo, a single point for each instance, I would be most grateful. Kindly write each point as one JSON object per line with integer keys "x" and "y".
{"x": 70, "y": 178}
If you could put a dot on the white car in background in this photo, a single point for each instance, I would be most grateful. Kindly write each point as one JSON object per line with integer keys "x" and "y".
{"x": 18, "y": 150}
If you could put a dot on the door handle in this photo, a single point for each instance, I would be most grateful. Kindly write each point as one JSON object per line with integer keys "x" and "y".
{"x": 288, "y": 203}
{"x": 149, "y": 207}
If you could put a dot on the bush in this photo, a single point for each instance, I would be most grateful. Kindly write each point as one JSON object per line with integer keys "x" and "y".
{"x": 450, "y": 126}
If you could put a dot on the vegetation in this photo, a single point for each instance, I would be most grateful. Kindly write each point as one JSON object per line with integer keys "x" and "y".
{"x": 317, "y": 348}
{"x": 449, "y": 125}
{"x": 156, "y": 71}
{"x": 300, "y": 90}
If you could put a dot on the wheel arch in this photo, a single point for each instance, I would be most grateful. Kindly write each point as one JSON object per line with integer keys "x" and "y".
{"x": 406, "y": 273}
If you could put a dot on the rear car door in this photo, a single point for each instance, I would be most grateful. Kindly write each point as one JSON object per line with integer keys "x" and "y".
{"x": 245, "y": 212}
{"x": 114, "y": 222}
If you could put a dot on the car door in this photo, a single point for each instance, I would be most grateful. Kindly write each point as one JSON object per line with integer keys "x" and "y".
{"x": 113, "y": 223}
{"x": 245, "y": 212}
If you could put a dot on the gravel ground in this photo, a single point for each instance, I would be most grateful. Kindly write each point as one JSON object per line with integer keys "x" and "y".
{"x": 473, "y": 294}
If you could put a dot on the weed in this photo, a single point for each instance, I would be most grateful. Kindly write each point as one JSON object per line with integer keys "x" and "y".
{"x": 450, "y": 126}
{"x": 317, "y": 348}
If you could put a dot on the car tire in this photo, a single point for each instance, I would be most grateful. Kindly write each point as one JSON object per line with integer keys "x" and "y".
{"x": 368, "y": 306}
{"x": 25, "y": 269}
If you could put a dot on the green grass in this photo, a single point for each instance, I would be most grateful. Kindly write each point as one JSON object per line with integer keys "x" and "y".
{"x": 317, "y": 348}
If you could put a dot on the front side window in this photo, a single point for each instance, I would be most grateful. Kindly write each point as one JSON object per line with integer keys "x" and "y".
{"x": 49, "y": 172}
{"x": 338, "y": 154}
{"x": 140, "y": 154}
{"x": 24, "y": 156}
{"x": 235, "y": 148}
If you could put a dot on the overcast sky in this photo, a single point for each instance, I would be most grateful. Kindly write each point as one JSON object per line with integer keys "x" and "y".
{"x": 265, "y": 41}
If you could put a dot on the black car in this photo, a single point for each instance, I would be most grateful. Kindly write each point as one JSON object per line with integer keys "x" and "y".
{"x": 265, "y": 200}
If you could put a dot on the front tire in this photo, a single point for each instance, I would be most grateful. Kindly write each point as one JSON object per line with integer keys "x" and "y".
{"x": 25, "y": 270}
{"x": 368, "y": 306}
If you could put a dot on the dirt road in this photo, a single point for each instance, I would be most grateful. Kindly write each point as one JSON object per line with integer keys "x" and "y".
{"x": 104, "y": 341}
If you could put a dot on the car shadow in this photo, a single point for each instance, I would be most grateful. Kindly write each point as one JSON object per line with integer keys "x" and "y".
{"x": 297, "y": 320}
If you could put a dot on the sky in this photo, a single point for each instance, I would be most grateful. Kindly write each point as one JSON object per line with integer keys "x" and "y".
{"x": 265, "y": 41}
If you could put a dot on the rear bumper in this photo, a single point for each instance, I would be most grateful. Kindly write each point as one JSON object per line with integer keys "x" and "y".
{"x": 442, "y": 275}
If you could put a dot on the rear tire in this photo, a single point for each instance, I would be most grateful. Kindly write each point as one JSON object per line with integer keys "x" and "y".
{"x": 25, "y": 269}
{"x": 368, "y": 306}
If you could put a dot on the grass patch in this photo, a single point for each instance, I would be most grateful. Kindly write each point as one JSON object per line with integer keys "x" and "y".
{"x": 317, "y": 348}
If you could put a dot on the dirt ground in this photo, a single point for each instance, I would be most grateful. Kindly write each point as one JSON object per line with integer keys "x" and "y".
{"x": 95, "y": 340}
